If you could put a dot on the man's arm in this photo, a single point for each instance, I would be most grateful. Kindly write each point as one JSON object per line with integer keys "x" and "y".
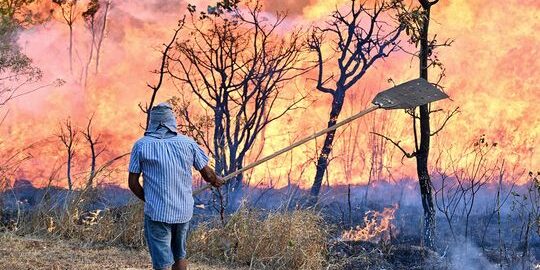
{"x": 135, "y": 186}
{"x": 210, "y": 176}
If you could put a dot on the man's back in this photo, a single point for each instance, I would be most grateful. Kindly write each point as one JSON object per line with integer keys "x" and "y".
{"x": 166, "y": 165}
{"x": 165, "y": 159}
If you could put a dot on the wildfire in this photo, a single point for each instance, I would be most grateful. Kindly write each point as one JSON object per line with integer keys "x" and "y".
{"x": 377, "y": 227}
{"x": 499, "y": 100}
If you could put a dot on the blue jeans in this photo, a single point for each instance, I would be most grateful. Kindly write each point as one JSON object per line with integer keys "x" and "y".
{"x": 166, "y": 242}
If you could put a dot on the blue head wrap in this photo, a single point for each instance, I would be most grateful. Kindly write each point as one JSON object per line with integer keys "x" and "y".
{"x": 162, "y": 123}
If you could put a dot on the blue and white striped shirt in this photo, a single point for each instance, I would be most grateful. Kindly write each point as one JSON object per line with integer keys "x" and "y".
{"x": 166, "y": 168}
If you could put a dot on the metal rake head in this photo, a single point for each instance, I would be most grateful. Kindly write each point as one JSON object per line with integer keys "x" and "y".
{"x": 409, "y": 95}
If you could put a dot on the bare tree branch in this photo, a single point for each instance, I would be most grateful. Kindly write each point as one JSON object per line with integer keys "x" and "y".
{"x": 405, "y": 153}
{"x": 445, "y": 121}
{"x": 162, "y": 70}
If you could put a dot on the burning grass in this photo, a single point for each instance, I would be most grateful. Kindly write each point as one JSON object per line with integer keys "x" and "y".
{"x": 290, "y": 240}
{"x": 377, "y": 227}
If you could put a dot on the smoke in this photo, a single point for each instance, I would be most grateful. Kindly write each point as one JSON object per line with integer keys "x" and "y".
{"x": 464, "y": 255}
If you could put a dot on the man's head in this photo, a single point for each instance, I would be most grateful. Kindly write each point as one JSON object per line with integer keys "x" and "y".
{"x": 162, "y": 121}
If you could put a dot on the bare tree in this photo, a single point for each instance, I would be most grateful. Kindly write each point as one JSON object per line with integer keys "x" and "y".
{"x": 422, "y": 152}
{"x": 462, "y": 178}
{"x": 93, "y": 142}
{"x": 68, "y": 136}
{"x": 69, "y": 14}
{"x": 504, "y": 191}
{"x": 357, "y": 47}
{"x": 236, "y": 65}
{"x": 102, "y": 26}
{"x": 447, "y": 196}
{"x": 473, "y": 171}
{"x": 89, "y": 16}
{"x": 415, "y": 20}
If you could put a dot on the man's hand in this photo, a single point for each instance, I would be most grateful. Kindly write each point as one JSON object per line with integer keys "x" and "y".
{"x": 218, "y": 183}
{"x": 210, "y": 176}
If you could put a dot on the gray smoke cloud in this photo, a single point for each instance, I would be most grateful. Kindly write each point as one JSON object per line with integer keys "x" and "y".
{"x": 468, "y": 256}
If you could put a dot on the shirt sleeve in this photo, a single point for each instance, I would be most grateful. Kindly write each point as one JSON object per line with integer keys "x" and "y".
{"x": 200, "y": 158}
{"x": 134, "y": 160}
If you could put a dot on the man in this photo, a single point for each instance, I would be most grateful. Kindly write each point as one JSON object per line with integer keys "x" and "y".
{"x": 165, "y": 159}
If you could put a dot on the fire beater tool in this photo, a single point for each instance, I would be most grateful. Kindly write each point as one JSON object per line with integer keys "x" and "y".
{"x": 407, "y": 95}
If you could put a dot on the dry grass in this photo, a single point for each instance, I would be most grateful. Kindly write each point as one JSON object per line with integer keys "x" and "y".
{"x": 279, "y": 240}
{"x": 291, "y": 240}
{"x": 121, "y": 226}
{"x": 26, "y": 253}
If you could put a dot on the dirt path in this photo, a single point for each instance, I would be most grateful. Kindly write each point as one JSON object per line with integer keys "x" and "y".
{"x": 29, "y": 253}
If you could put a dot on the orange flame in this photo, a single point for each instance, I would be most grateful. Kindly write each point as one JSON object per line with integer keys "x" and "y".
{"x": 377, "y": 227}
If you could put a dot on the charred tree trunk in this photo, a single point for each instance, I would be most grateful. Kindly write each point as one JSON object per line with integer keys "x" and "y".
{"x": 92, "y": 164}
{"x": 69, "y": 180}
{"x": 422, "y": 154}
{"x": 226, "y": 165}
{"x": 68, "y": 136}
{"x": 219, "y": 142}
{"x": 322, "y": 162}
{"x": 92, "y": 143}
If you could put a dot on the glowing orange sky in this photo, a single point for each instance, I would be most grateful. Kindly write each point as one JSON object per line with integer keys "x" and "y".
{"x": 493, "y": 75}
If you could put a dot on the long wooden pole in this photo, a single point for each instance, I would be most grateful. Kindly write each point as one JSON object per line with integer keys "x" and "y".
{"x": 290, "y": 147}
